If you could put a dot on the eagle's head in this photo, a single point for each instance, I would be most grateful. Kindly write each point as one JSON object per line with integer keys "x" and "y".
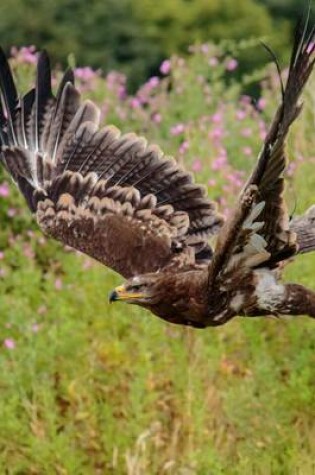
{"x": 141, "y": 290}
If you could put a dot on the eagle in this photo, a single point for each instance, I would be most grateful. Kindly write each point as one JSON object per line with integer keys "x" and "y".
{"x": 123, "y": 202}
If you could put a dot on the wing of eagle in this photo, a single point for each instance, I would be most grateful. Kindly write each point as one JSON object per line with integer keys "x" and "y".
{"x": 259, "y": 232}
{"x": 111, "y": 196}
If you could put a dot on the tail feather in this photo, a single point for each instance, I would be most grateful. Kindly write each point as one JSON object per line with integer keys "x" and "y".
{"x": 9, "y": 99}
{"x": 43, "y": 96}
{"x": 304, "y": 227}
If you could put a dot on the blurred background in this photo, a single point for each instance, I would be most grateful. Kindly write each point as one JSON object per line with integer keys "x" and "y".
{"x": 97, "y": 389}
{"x": 134, "y": 36}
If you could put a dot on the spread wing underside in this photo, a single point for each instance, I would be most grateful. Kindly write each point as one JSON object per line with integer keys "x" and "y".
{"x": 109, "y": 195}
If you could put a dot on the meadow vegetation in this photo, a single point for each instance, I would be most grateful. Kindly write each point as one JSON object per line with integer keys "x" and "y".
{"x": 89, "y": 388}
{"x": 134, "y": 36}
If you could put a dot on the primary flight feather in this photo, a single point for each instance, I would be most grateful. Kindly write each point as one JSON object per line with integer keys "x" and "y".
{"x": 127, "y": 205}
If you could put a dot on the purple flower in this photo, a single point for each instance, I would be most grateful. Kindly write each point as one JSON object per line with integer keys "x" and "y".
{"x": 246, "y": 132}
{"x": 9, "y": 343}
{"x": 240, "y": 114}
{"x": 165, "y": 67}
{"x": 184, "y": 147}
{"x": 26, "y": 54}
{"x": 196, "y": 165}
{"x": 212, "y": 182}
{"x": 231, "y": 64}
{"x": 11, "y": 212}
{"x": 219, "y": 163}
{"x": 217, "y": 133}
{"x": 234, "y": 179}
{"x": 35, "y": 327}
{"x": 245, "y": 99}
{"x": 247, "y": 151}
{"x": 153, "y": 82}
{"x": 177, "y": 129}
{"x": 217, "y": 118}
{"x": 291, "y": 169}
{"x": 58, "y": 284}
{"x": 122, "y": 93}
{"x": 204, "y": 48}
{"x": 135, "y": 103}
{"x": 213, "y": 61}
{"x": 85, "y": 74}
{"x": 4, "y": 190}
{"x": 261, "y": 103}
{"x": 156, "y": 118}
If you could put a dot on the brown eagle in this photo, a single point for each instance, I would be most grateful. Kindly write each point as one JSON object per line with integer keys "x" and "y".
{"x": 130, "y": 207}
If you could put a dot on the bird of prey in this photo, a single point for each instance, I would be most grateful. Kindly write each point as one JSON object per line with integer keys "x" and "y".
{"x": 130, "y": 207}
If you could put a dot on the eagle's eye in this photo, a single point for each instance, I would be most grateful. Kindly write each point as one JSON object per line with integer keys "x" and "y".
{"x": 136, "y": 287}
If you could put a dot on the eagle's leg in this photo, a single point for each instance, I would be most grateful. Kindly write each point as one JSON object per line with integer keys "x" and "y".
{"x": 298, "y": 300}
{"x": 272, "y": 297}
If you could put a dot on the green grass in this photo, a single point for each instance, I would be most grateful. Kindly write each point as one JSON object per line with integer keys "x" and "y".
{"x": 105, "y": 388}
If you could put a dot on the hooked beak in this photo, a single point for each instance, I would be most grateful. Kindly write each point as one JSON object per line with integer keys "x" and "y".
{"x": 120, "y": 293}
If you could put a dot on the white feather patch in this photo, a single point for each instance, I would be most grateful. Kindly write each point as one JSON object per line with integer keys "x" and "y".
{"x": 268, "y": 291}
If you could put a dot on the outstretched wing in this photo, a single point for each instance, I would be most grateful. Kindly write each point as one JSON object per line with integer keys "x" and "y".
{"x": 259, "y": 232}
{"x": 108, "y": 195}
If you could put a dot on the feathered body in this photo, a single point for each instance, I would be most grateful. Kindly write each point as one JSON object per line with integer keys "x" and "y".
{"x": 127, "y": 205}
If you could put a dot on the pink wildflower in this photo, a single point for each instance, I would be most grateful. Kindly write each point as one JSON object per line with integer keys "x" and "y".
{"x": 246, "y": 132}
{"x": 212, "y": 182}
{"x": 261, "y": 103}
{"x": 11, "y": 212}
{"x": 122, "y": 93}
{"x": 85, "y": 74}
{"x": 26, "y": 54}
{"x": 216, "y": 133}
{"x": 240, "y": 114}
{"x": 234, "y": 179}
{"x": 28, "y": 251}
{"x": 291, "y": 169}
{"x": 153, "y": 82}
{"x": 177, "y": 129}
{"x": 245, "y": 99}
{"x": 196, "y": 165}
{"x": 156, "y": 118}
{"x": 135, "y": 103}
{"x": 165, "y": 67}
{"x": 231, "y": 64}
{"x": 4, "y": 190}
{"x": 217, "y": 118}
{"x": 184, "y": 147}
{"x": 247, "y": 151}
{"x": 204, "y": 48}
{"x": 213, "y": 61}
{"x": 58, "y": 284}
{"x": 219, "y": 163}
{"x": 35, "y": 327}
{"x": 9, "y": 343}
